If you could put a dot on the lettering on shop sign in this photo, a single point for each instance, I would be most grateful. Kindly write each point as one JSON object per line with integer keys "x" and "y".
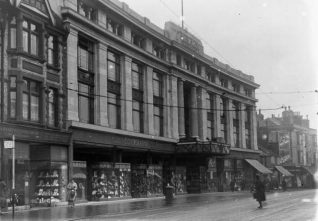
{"x": 32, "y": 134}
{"x": 215, "y": 148}
{"x": 121, "y": 141}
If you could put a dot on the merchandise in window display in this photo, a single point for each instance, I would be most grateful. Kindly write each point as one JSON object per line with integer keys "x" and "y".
{"x": 48, "y": 187}
{"x": 110, "y": 181}
{"x": 146, "y": 181}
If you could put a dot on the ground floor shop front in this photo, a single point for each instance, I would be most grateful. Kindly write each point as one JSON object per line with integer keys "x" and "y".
{"x": 108, "y": 166}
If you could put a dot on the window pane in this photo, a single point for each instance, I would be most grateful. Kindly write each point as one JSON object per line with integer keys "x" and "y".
{"x": 25, "y": 107}
{"x": 136, "y": 120}
{"x": 83, "y": 89}
{"x": 111, "y": 71}
{"x": 83, "y": 58}
{"x": 156, "y": 89}
{"x": 83, "y": 104}
{"x": 157, "y": 125}
{"x": 112, "y": 115}
{"x": 135, "y": 80}
{"x": 13, "y": 37}
{"x": 34, "y": 44}
{"x": 13, "y": 83}
{"x": 25, "y": 24}
{"x": 25, "y": 41}
{"x": 13, "y": 98}
{"x": 52, "y": 107}
{"x": 34, "y": 108}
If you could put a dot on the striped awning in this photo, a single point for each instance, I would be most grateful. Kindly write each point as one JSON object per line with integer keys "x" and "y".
{"x": 283, "y": 171}
{"x": 258, "y": 166}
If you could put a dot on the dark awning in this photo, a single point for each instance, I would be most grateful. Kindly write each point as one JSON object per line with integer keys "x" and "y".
{"x": 283, "y": 171}
{"x": 258, "y": 166}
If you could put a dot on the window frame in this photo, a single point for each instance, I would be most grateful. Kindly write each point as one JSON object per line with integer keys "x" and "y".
{"x": 137, "y": 96}
{"x": 29, "y": 94}
{"x": 54, "y": 50}
{"x": 28, "y": 30}
{"x": 12, "y": 89}
{"x": 54, "y": 102}
{"x": 158, "y": 102}
{"x": 113, "y": 88}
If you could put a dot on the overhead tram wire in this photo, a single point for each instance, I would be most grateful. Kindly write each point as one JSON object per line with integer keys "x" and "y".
{"x": 171, "y": 106}
{"x": 288, "y": 92}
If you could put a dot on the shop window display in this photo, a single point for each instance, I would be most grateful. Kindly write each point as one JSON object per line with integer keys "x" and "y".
{"x": 146, "y": 180}
{"x": 80, "y": 178}
{"x": 109, "y": 180}
{"x": 48, "y": 183}
{"x": 179, "y": 181}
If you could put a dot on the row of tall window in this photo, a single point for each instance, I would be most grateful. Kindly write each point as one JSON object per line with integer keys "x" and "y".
{"x": 32, "y": 43}
{"x": 211, "y": 109}
{"x": 86, "y": 95}
{"x": 31, "y": 101}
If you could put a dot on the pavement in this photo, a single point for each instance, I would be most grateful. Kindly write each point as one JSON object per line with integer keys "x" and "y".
{"x": 85, "y": 210}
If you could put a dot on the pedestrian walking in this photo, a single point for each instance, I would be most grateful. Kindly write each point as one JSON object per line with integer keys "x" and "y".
{"x": 259, "y": 191}
{"x": 72, "y": 188}
{"x": 232, "y": 185}
{"x": 284, "y": 185}
{"x": 3, "y": 197}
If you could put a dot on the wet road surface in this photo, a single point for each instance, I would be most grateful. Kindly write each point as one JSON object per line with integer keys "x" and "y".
{"x": 215, "y": 206}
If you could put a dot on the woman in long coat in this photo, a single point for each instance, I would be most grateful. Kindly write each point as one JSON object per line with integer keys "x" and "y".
{"x": 259, "y": 194}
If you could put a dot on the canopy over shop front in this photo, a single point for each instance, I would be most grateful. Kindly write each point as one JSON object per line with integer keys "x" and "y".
{"x": 258, "y": 166}
{"x": 283, "y": 171}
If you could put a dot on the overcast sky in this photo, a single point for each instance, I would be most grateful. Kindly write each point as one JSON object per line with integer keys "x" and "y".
{"x": 273, "y": 40}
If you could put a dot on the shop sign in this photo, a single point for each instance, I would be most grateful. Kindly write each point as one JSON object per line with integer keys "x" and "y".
{"x": 211, "y": 164}
{"x": 8, "y": 144}
{"x": 27, "y": 133}
{"x": 194, "y": 147}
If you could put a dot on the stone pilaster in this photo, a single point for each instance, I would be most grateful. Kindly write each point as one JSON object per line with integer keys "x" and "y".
{"x": 229, "y": 117}
{"x": 242, "y": 126}
{"x": 181, "y": 109}
{"x": 72, "y": 83}
{"x": 217, "y": 114}
{"x": 166, "y": 108}
{"x": 202, "y": 113}
{"x": 148, "y": 98}
{"x": 101, "y": 86}
{"x": 253, "y": 129}
{"x": 126, "y": 94}
{"x": 174, "y": 107}
{"x": 194, "y": 112}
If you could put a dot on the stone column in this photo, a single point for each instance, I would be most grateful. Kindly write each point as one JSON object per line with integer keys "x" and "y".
{"x": 126, "y": 94}
{"x": 148, "y": 98}
{"x": 174, "y": 107}
{"x": 217, "y": 114}
{"x": 242, "y": 126}
{"x": 194, "y": 112}
{"x": 202, "y": 113}
{"x": 166, "y": 108}
{"x": 181, "y": 109}
{"x": 230, "y": 112}
{"x": 253, "y": 129}
{"x": 72, "y": 83}
{"x": 101, "y": 86}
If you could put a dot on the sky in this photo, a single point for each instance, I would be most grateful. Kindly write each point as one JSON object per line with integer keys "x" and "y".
{"x": 273, "y": 40}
